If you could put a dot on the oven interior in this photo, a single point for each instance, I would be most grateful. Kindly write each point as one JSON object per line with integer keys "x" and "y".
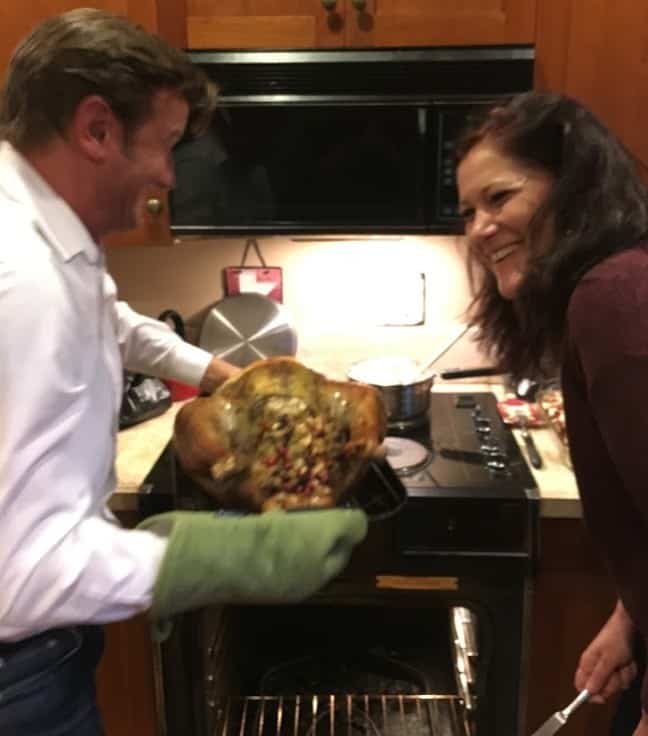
{"x": 356, "y": 669}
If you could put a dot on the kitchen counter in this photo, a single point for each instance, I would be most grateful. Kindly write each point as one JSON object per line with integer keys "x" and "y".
{"x": 139, "y": 447}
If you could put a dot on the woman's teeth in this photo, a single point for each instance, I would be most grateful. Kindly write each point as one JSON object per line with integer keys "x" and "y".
{"x": 502, "y": 253}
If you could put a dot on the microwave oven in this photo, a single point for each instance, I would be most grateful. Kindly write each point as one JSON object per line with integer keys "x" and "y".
{"x": 351, "y": 141}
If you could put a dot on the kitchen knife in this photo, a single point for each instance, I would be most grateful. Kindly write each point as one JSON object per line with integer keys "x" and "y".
{"x": 532, "y": 450}
{"x": 553, "y": 724}
{"x": 453, "y": 373}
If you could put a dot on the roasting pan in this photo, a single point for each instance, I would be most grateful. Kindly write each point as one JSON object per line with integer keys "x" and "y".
{"x": 380, "y": 493}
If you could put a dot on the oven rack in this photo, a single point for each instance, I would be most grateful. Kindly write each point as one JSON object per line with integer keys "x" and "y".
{"x": 339, "y": 715}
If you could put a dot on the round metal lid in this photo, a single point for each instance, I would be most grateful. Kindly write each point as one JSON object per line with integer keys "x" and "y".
{"x": 247, "y": 327}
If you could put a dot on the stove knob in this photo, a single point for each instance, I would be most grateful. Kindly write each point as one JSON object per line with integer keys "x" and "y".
{"x": 490, "y": 448}
{"x": 483, "y": 429}
{"x": 481, "y": 422}
{"x": 494, "y": 464}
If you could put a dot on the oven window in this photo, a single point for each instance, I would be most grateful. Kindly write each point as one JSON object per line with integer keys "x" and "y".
{"x": 325, "y": 670}
{"x": 325, "y": 166}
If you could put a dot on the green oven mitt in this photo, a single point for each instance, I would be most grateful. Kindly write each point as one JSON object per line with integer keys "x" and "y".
{"x": 274, "y": 557}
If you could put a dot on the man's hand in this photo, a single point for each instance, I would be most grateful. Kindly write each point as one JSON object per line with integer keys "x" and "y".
{"x": 217, "y": 372}
{"x": 607, "y": 665}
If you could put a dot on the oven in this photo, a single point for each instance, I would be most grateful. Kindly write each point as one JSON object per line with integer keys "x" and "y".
{"x": 425, "y": 633}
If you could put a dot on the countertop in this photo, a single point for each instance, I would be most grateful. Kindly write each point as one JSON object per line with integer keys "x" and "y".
{"x": 139, "y": 447}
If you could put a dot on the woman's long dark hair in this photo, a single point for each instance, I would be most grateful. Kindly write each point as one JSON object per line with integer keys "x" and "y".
{"x": 597, "y": 207}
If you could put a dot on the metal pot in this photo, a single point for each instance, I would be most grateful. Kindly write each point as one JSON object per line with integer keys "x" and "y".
{"x": 404, "y": 396}
{"x": 405, "y": 400}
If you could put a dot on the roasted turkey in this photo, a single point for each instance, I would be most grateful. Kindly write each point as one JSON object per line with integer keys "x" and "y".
{"x": 279, "y": 435}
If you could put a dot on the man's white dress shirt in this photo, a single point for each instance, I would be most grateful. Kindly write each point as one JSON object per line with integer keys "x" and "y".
{"x": 64, "y": 341}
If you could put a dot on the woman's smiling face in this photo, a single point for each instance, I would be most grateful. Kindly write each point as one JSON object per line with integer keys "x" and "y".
{"x": 499, "y": 197}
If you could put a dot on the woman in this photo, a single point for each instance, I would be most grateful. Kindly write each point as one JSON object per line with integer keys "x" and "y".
{"x": 556, "y": 219}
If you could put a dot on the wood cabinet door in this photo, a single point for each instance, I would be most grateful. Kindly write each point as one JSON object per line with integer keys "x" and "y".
{"x": 153, "y": 223}
{"x": 597, "y": 52}
{"x": 126, "y": 680}
{"x": 573, "y": 597}
{"x": 244, "y": 24}
{"x": 17, "y": 19}
{"x": 439, "y": 22}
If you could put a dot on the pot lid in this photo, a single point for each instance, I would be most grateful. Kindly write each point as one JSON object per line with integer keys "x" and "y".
{"x": 247, "y": 327}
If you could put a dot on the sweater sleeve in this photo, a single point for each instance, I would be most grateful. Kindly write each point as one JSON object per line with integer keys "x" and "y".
{"x": 608, "y": 325}
{"x": 606, "y": 395}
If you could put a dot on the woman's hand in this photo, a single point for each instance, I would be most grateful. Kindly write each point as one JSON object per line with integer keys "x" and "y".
{"x": 642, "y": 727}
{"x": 607, "y": 665}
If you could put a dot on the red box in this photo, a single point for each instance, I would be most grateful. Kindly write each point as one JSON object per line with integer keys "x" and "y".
{"x": 266, "y": 280}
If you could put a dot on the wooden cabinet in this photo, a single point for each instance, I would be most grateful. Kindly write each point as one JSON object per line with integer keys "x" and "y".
{"x": 440, "y": 22}
{"x": 125, "y": 680}
{"x": 17, "y": 19}
{"x": 573, "y": 598}
{"x": 597, "y": 52}
{"x": 223, "y": 24}
{"x": 153, "y": 223}
{"x": 357, "y": 23}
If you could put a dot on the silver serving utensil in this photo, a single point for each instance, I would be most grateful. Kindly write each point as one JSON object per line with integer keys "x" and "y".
{"x": 553, "y": 724}
{"x": 424, "y": 371}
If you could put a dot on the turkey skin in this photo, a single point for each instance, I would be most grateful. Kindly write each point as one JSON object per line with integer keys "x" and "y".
{"x": 280, "y": 436}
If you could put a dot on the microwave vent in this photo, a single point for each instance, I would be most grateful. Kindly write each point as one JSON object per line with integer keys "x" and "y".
{"x": 436, "y": 73}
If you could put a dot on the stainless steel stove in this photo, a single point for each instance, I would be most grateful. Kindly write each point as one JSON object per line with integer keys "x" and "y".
{"x": 441, "y": 587}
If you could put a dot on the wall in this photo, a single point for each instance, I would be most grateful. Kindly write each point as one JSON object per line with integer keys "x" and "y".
{"x": 333, "y": 291}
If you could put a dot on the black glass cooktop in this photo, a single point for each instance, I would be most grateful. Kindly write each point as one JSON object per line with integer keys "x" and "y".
{"x": 473, "y": 495}
{"x": 470, "y": 451}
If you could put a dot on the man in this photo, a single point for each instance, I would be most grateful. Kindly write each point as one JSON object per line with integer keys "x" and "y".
{"x": 90, "y": 112}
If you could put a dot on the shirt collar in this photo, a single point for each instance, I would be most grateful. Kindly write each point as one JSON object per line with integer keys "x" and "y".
{"x": 52, "y": 215}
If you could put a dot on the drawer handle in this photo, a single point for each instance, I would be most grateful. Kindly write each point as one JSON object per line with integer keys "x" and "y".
{"x": 328, "y": 4}
{"x": 359, "y": 5}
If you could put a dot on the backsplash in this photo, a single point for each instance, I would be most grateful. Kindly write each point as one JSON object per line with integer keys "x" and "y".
{"x": 334, "y": 290}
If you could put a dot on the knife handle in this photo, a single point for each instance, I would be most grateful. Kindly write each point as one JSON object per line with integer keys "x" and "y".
{"x": 532, "y": 450}
{"x": 583, "y": 697}
{"x": 452, "y": 373}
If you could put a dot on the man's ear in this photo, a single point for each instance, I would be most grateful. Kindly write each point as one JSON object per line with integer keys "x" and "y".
{"x": 94, "y": 129}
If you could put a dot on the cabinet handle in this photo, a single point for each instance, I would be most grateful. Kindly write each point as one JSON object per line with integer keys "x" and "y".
{"x": 328, "y": 4}
{"x": 359, "y": 5}
{"x": 154, "y": 206}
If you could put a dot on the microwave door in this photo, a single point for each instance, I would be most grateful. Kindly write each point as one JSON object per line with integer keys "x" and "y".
{"x": 321, "y": 167}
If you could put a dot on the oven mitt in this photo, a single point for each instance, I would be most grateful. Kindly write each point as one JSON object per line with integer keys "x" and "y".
{"x": 276, "y": 557}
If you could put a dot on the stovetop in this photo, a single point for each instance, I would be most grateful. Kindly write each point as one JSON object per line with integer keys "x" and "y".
{"x": 470, "y": 451}
{"x": 474, "y": 497}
